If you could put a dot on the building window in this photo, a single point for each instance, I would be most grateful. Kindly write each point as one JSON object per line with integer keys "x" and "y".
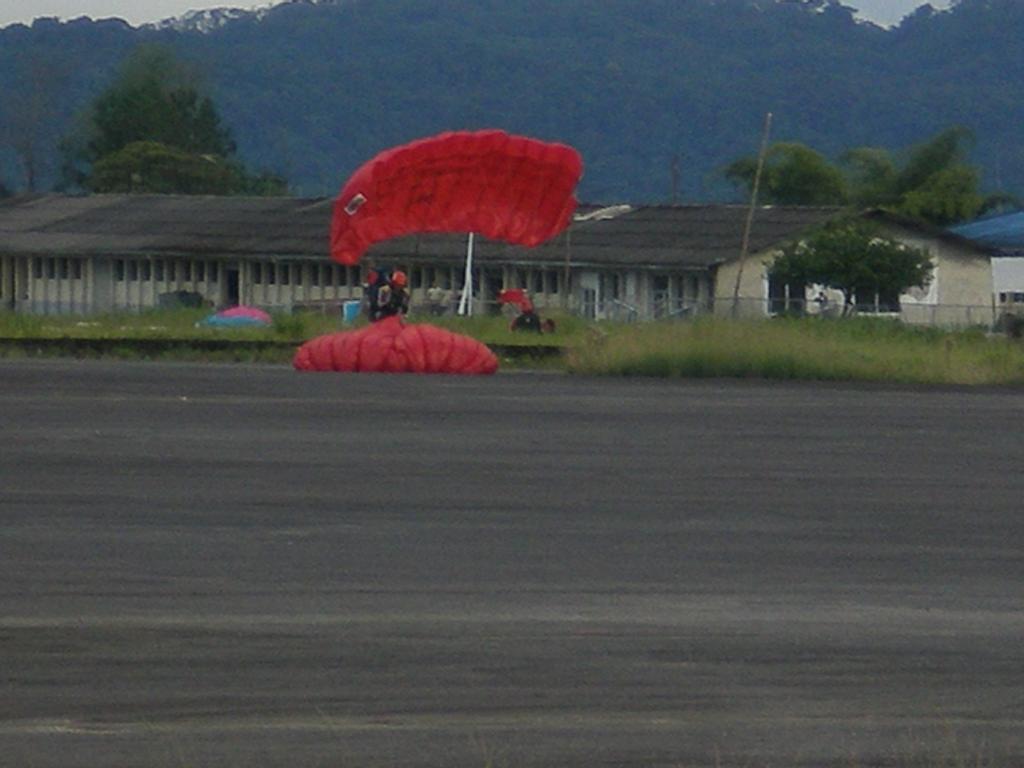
{"x": 417, "y": 277}
{"x": 146, "y": 270}
{"x": 37, "y": 269}
{"x": 551, "y": 281}
{"x": 51, "y": 269}
{"x": 200, "y": 271}
{"x": 76, "y": 269}
{"x": 537, "y": 281}
{"x": 158, "y": 270}
{"x": 693, "y": 288}
{"x": 186, "y": 271}
{"x": 257, "y": 273}
{"x": 133, "y": 270}
{"x": 879, "y": 303}
{"x": 171, "y": 271}
{"x": 615, "y": 286}
{"x": 286, "y": 274}
{"x": 786, "y": 298}
{"x": 119, "y": 270}
{"x": 314, "y": 274}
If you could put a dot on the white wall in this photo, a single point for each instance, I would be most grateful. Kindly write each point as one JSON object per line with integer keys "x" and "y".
{"x": 1008, "y": 274}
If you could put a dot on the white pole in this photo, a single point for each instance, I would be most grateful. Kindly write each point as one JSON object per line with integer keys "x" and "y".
{"x": 466, "y": 302}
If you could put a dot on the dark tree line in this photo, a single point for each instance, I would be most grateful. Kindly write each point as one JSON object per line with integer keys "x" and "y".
{"x": 931, "y": 182}
{"x": 152, "y": 130}
{"x": 313, "y": 89}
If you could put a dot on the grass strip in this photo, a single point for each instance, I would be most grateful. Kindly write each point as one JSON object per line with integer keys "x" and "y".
{"x": 858, "y": 349}
{"x": 179, "y": 335}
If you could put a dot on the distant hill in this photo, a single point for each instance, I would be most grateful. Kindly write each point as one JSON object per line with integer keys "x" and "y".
{"x": 312, "y": 89}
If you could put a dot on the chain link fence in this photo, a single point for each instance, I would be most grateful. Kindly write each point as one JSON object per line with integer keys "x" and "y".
{"x": 997, "y": 317}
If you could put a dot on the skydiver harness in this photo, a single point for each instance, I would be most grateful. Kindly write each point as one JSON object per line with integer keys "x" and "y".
{"x": 383, "y": 300}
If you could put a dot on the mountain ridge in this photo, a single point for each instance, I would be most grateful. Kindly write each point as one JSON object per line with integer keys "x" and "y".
{"x": 313, "y": 89}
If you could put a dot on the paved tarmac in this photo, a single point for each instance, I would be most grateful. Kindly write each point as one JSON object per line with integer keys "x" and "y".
{"x": 247, "y": 566}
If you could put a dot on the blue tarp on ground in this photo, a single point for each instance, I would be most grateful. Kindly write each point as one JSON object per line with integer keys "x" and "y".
{"x": 1005, "y": 232}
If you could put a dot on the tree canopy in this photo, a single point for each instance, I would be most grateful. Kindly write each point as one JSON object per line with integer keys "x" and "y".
{"x": 933, "y": 182}
{"x": 152, "y": 130}
{"x": 852, "y": 257}
{"x": 152, "y": 167}
{"x": 793, "y": 174}
{"x": 316, "y": 88}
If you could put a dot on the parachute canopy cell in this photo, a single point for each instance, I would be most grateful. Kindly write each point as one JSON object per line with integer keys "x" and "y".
{"x": 391, "y": 346}
{"x": 505, "y": 187}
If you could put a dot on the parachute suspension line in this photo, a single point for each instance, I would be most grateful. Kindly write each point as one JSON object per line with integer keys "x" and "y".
{"x": 466, "y": 302}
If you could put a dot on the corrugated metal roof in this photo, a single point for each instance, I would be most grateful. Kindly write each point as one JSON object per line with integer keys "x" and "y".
{"x": 164, "y": 224}
{"x": 682, "y": 236}
{"x": 1005, "y": 232}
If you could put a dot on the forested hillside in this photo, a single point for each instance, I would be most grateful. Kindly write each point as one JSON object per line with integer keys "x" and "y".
{"x": 311, "y": 89}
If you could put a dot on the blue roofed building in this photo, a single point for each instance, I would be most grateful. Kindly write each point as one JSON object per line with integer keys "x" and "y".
{"x": 1005, "y": 235}
{"x": 1004, "y": 232}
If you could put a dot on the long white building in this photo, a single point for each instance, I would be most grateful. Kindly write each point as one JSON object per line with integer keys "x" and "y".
{"x": 105, "y": 253}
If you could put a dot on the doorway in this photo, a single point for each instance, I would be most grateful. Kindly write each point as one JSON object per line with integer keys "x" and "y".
{"x": 231, "y": 283}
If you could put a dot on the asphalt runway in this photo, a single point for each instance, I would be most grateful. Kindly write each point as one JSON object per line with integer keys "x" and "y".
{"x": 246, "y": 566}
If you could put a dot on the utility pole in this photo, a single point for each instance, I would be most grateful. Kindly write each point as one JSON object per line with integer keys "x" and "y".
{"x": 745, "y": 246}
{"x": 567, "y": 269}
{"x": 675, "y": 179}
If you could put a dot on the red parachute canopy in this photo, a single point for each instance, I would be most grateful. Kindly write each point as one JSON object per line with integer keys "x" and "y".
{"x": 517, "y": 297}
{"x": 504, "y": 187}
{"x": 389, "y": 346}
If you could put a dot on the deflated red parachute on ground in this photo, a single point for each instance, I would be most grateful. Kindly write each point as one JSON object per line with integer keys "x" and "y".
{"x": 390, "y": 346}
{"x": 505, "y": 187}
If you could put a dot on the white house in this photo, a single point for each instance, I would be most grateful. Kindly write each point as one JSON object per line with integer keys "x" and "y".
{"x": 960, "y": 292}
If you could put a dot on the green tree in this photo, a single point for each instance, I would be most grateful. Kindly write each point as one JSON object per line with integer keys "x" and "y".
{"x": 934, "y": 183}
{"x": 153, "y": 130}
{"x": 152, "y": 167}
{"x": 793, "y": 174}
{"x": 871, "y": 174}
{"x": 852, "y": 257}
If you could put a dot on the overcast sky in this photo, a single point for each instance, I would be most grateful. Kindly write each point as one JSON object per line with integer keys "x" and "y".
{"x": 142, "y": 11}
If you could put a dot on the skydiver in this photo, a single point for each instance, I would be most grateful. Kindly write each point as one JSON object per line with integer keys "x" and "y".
{"x": 388, "y": 295}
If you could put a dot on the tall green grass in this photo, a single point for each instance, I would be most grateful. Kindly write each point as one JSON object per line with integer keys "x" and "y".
{"x": 158, "y": 324}
{"x": 495, "y": 329}
{"x": 859, "y": 349}
{"x": 182, "y": 324}
{"x": 808, "y": 349}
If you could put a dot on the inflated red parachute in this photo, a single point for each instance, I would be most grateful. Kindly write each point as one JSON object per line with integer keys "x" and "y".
{"x": 504, "y": 187}
{"x": 390, "y": 346}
